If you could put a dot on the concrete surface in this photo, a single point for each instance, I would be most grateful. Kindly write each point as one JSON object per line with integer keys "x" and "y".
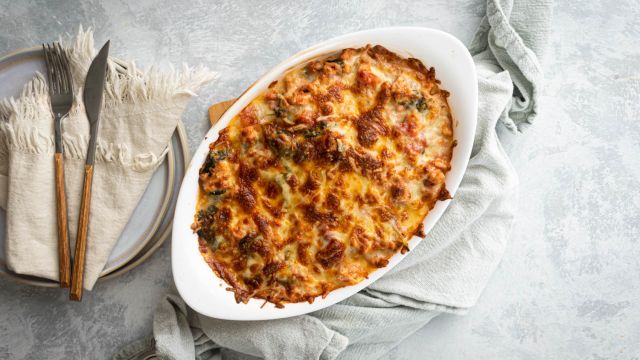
{"x": 569, "y": 284}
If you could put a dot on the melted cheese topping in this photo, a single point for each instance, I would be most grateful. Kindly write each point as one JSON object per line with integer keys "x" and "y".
{"x": 325, "y": 176}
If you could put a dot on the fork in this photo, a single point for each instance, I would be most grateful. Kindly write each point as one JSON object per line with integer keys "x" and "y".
{"x": 61, "y": 95}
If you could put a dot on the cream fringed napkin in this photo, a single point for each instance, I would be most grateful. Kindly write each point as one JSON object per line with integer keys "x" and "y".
{"x": 140, "y": 113}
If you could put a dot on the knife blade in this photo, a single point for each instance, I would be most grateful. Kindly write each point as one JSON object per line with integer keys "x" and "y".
{"x": 92, "y": 97}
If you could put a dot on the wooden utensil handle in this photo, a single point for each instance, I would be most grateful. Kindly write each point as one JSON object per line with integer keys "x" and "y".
{"x": 63, "y": 234}
{"x": 81, "y": 239}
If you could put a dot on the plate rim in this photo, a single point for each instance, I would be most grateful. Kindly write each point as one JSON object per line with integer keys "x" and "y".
{"x": 158, "y": 220}
{"x": 169, "y": 229}
{"x": 204, "y": 297}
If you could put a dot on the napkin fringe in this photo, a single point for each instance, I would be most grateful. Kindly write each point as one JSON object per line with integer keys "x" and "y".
{"x": 155, "y": 88}
{"x": 22, "y": 111}
{"x": 76, "y": 148}
{"x": 27, "y": 108}
{"x": 126, "y": 83}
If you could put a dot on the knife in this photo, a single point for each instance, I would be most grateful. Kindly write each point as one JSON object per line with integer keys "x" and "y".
{"x": 92, "y": 97}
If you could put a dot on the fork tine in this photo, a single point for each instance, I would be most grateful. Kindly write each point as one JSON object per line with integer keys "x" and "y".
{"x": 61, "y": 66}
{"x": 56, "y": 64}
{"x": 54, "y": 71}
{"x": 47, "y": 59}
{"x": 58, "y": 67}
{"x": 67, "y": 70}
{"x": 63, "y": 75}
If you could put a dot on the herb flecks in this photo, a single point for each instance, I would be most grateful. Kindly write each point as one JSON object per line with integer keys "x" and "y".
{"x": 316, "y": 130}
{"x": 212, "y": 158}
{"x": 206, "y": 214}
{"x": 421, "y": 104}
{"x": 222, "y": 154}
{"x": 337, "y": 61}
{"x": 280, "y": 112}
{"x": 205, "y": 219}
{"x": 309, "y": 133}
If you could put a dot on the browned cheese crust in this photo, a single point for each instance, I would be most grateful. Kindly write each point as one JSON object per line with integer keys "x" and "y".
{"x": 325, "y": 176}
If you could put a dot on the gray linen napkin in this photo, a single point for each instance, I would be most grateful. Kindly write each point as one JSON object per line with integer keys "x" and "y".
{"x": 445, "y": 273}
{"x": 140, "y": 113}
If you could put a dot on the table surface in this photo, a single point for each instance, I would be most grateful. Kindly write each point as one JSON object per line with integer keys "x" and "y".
{"x": 568, "y": 285}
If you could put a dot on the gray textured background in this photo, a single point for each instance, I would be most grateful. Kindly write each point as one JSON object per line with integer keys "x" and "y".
{"x": 569, "y": 284}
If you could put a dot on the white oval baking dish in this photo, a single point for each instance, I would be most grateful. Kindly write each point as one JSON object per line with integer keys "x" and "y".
{"x": 202, "y": 289}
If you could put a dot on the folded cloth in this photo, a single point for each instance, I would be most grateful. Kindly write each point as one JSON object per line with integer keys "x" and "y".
{"x": 445, "y": 273}
{"x": 140, "y": 113}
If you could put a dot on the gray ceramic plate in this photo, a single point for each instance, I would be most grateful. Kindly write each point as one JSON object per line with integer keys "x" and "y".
{"x": 148, "y": 225}
{"x": 182, "y": 161}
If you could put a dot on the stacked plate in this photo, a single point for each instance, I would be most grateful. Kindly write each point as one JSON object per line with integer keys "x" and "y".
{"x": 151, "y": 221}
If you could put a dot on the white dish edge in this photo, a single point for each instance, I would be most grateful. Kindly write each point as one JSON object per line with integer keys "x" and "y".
{"x": 202, "y": 289}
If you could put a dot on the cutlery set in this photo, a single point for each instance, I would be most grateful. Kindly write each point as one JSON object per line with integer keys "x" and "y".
{"x": 61, "y": 94}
